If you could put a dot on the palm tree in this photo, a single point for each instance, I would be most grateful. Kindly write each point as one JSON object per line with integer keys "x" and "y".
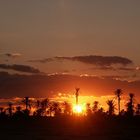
{"x": 10, "y": 109}
{"x": 77, "y": 95}
{"x": 138, "y": 109}
{"x": 118, "y": 93}
{"x": 45, "y": 103}
{"x": 26, "y": 101}
{"x": 37, "y": 104}
{"x": 130, "y": 105}
{"x": 88, "y": 109}
{"x": 1, "y": 110}
{"x": 44, "y": 106}
{"x": 18, "y": 114}
{"x": 2, "y": 113}
{"x": 18, "y": 109}
{"x": 95, "y": 106}
{"x": 111, "y": 106}
{"x": 67, "y": 108}
{"x": 56, "y": 108}
{"x": 131, "y": 95}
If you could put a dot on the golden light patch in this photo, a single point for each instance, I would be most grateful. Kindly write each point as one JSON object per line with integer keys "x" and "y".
{"x": 77, "y": 109}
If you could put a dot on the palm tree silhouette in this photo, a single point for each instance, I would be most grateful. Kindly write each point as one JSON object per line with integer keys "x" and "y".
{"x": 67, "y": 108}
{"x": 118, "y": 93}
{"x": 37, "y": 104}
{"x": 10, "y": 109}
{"x": 77, "y": 95}
{"x": 95, "y": 106}
{"x": 1, "y": 110}
{"x": 88, "y": 109}
{"x": 111, "y": 106}
{"x": 19, "y": 113}
{"x": 130, "y": 105}
{"x": 2, "y": 113}
{"x": 27, "y": 103}
{"x": 56, "y": 108}
{"x": 138, "y": 109}
{"x": 45, "y": 103}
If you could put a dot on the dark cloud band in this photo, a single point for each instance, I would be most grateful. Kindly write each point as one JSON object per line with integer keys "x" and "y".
{"x": 91, "y": 59}
{"x": 98, "y": 60}
{"x": 20, "y": 68}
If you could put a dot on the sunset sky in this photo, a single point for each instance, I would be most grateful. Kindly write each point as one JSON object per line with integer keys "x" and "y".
{"x": 75, "y": 37}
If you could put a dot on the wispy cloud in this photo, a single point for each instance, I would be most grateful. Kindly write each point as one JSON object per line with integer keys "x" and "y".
{"x": 20, "y": 68}
{"x": 13, "y": 55}
{"x": 42, "y": 60}
{"x": 132, "y": 69}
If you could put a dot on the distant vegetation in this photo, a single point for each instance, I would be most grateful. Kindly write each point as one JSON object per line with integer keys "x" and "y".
{"x": 46, "y": 108}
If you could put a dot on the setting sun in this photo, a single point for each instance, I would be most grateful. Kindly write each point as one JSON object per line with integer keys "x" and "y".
{"x": 77, "y": 109}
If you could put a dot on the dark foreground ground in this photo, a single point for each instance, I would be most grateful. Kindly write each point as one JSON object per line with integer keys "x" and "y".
{"x": 70, "y": 128}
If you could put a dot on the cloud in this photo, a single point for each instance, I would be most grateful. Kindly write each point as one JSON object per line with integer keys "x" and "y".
{"x": 104, "y": 68}
{"x": 116, "y": 68}
{"x": 91, "y": 59}
{"x": 20, "y": 68}
{"x": 98, "y": 60}
{"x": 127, "y": 69}
{"x": 13, "y": 55}
{"x": 42, "y": 60}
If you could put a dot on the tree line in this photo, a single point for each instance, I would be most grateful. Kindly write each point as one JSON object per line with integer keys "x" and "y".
{"x": 47, "y": 108}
